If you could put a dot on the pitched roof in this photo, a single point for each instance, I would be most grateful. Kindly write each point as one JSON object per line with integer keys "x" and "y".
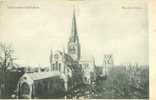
{"x": 40, "y": 75}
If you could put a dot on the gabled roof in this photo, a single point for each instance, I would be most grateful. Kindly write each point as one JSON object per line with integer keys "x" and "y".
{"x": 40, "y": 75}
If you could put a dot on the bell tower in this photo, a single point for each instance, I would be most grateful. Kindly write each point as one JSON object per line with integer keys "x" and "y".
{"x": 73, "y": 43}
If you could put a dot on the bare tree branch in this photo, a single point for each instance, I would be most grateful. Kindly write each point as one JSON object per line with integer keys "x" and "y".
{"x": 6, "y": 61}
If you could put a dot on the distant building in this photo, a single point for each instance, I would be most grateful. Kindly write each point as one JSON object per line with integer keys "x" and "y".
{"x": 73, "y": 47}
{"x": 87, "y": 66}
{"x": 88, "y": 69}
{"x": 108, "y": 63}
{"x": 62, "y": 63}
{"x": 71, "y": 61}
{"x": 68, "y": 65}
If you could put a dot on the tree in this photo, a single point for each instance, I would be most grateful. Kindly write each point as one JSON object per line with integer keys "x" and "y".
{"x": 124, "y": 83}
{"x": 6, "y": 61}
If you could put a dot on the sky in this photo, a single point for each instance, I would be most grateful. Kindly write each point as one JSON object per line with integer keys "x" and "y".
{"x": 34, "y": 27}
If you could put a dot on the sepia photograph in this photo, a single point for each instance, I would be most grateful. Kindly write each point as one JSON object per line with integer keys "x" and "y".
{"x": 74, "y": 49}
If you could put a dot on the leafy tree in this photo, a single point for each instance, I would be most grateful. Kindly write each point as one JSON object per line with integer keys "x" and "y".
{"x": 124, "y": 83}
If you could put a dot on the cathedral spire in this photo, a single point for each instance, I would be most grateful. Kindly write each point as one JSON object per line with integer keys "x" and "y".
{"x": 74, "y": 28}
{"x": 73, "y": 43}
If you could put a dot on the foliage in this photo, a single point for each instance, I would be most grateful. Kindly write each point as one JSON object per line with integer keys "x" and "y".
{"x": 122, "y": 82}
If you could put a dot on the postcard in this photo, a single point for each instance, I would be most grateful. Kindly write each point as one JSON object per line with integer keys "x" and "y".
{"x": 74, "y": 49}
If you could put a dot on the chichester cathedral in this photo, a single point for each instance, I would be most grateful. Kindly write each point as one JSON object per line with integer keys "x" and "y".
{"x": 67, "y": 70}
{"x": 71, "y": 75}
{"x": 70, "y": 62}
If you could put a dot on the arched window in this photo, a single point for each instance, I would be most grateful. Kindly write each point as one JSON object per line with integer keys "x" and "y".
{"x": 53, "y": 67}
{"x": 25, "y": 90}
{"x": 59, "y": 66}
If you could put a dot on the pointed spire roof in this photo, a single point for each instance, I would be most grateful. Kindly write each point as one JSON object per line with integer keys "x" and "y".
{"x": 74, "y": 33}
